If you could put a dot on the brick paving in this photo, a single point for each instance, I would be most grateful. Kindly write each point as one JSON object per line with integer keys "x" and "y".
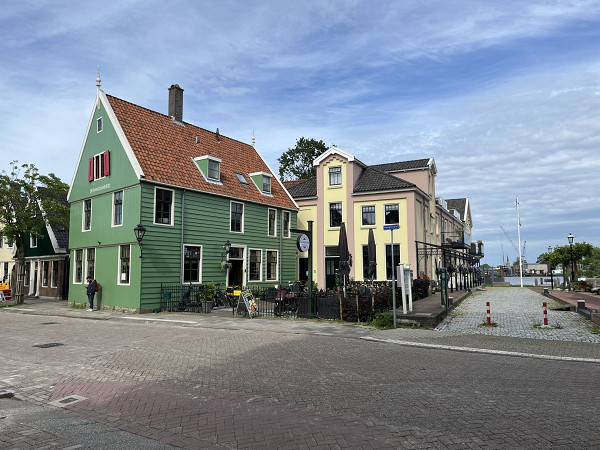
{"x": 205, "y": 382}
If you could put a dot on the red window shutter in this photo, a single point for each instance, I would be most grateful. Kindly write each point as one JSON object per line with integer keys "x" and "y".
{"x": 106, "y": 163}
{"x": 91, "y": 169}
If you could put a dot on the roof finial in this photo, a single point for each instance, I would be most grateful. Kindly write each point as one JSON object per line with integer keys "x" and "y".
{"x": 98, "y": 79}
{"x": 253, "y": 139}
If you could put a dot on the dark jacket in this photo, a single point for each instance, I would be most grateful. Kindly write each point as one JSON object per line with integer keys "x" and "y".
{"x": 91, "y": 288}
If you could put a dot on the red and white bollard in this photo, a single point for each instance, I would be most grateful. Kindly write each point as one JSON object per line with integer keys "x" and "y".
{"x": 545, "y": 315}
{"x": 489, "y": 317}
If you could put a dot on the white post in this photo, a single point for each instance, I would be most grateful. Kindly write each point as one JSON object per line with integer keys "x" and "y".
{"x": 402, "y": 287}
{"x": 519, "y": 235}
{"x": 409, "y": 284}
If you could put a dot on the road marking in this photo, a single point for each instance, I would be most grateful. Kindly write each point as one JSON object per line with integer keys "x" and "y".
{"x": 159, "y": 320}
{"x": 482, "y": 350}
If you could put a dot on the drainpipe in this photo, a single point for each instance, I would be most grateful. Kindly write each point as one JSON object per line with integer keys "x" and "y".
{"x": 181, "y": 245}
{"x": 280, "y": 246}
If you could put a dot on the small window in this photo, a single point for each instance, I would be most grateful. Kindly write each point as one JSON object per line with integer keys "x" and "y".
{"x": 214, "y": 170}
{"x": 271, "y": 265}
{"x": 392, "y": 215}
{"x": 118, "y": 208}
{"x": 99, "y": 125}
{"x": 241, "y": 178}
{"x": 45, "y": 272}
{"x": 192, "y": 257}
{"x": 286, "y": 223}
{"x": 368, "y": 215}
{"x": 99, "y": 166}
{"x": 163, "y": 206}
{"x": 272, "y": 222}
{"x": 335, "y": 176}
{"x": 91, "y": 263}
{"x": 78, "y": 267}
{"x": 27, "y": 273}
{"x": 5, "y": 275}
{"x": 124, "y": 263}
{"x": 33, "y": 241}
{"x": 237, "y": 217}
{"x": 266, "y": 184}
{"x": 87, "y": 214}
{"x": 54, "y": 277}
{"x": 255, "y": 272}
{"x": 335, "y": 214}
{"x": 9, "y": 243}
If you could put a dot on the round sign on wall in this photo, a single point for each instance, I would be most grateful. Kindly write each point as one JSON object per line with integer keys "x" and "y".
{"x": 303, "y": 243}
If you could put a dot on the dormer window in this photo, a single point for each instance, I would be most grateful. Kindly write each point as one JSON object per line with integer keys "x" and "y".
{"x": 266, "y": 184}
{"x": 262, "y": 180}
{"x": 210, "y": 167}
{"x": 214, "y": 170}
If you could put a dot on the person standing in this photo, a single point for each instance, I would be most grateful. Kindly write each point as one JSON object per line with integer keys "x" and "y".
{"x": 91, "y": 291}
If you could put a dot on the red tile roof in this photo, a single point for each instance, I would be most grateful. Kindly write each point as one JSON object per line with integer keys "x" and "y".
{"x": 165, "y": 152}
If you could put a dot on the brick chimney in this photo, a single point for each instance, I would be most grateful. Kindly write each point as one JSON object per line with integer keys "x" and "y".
{"x": 176, "y": 102}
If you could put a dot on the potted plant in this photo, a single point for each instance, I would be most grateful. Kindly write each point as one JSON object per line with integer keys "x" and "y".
{"x": 225, "y": 265}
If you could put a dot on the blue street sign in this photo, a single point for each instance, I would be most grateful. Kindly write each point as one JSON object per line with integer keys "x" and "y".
{"x": 391, "y": 227}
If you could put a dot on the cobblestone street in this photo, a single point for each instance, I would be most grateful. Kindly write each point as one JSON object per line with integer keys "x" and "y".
{"x": 111, "y": 381}
{"x": 518, "y": 312}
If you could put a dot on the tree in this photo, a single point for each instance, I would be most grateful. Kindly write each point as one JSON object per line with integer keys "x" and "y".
{"x": 297, "y": 163}
{"x": 561, "y": 255}
{"x": 29, "y": 201}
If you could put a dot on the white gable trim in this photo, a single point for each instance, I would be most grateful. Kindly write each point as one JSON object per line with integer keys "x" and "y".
{"x": 101, "y": 97}
{"x": 333, "y": 150}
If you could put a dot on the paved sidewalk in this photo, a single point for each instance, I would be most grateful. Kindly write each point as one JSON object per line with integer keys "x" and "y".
{"x": 518, "y": 312}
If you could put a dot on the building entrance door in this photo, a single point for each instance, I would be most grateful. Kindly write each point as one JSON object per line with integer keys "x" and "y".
{"x": 236, "y": 272}
{"x": 331, "y": 270}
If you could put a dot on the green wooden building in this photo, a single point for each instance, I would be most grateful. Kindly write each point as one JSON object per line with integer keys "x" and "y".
{"x": 192, "y": 190}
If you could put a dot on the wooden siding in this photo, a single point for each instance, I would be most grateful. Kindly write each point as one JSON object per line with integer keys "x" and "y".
{"x": 206, "y": 223}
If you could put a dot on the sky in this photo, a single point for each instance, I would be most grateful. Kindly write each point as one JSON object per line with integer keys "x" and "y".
{"x": 505, "y": 96}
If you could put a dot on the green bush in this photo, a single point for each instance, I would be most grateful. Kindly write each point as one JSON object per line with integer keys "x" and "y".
{"x": 420, "y": 289}
{"x": 383, "y": 321}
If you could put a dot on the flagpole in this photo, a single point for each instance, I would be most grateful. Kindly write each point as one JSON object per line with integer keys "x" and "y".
{"x": 519, "y": 235}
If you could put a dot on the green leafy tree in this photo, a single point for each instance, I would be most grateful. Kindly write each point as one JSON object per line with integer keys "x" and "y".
{"x": 23, "y": 194}
{"x": 561, "y": 255}
{"x": 297, "y": 163}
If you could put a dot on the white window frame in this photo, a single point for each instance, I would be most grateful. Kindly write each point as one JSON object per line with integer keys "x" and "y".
{"x": 199, "y": 281}
{"x": 86, "y": 263}
{"x": 75, "y": 266}
{"x": 341, "y": 213}
{"x": 172, "y": 215}
{"x": 54, "y": 279}
{"x": 120, "y": 267}
{"x": 99, "y": 125}
{"x": 338, "y": 175}
{"x": 83, "y": 229}
{"x": 287, "y": 231}
{"x": 45, "y": 270}
{"x": 112, "y": 220}
{"x": 270, "y": 178}
{"x": 267, "y": 251}
{"x": 99, "y": 170}
{"x": 32, "y": 241}
{"x": 362, "y": 212}
{"x": 260, "y": 265}
{"x": 243, "y": 216}
{"x": 269, "y": 222}
{"x": 384, "y": 211}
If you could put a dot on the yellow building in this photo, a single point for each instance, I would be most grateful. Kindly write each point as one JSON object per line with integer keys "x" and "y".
{"x": 6, "y": 260}
{"x": 370, "y": 197}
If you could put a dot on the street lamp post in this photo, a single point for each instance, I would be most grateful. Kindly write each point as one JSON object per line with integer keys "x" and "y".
{"x": 550, "y": 269}
{"x": 570, "y": 237}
